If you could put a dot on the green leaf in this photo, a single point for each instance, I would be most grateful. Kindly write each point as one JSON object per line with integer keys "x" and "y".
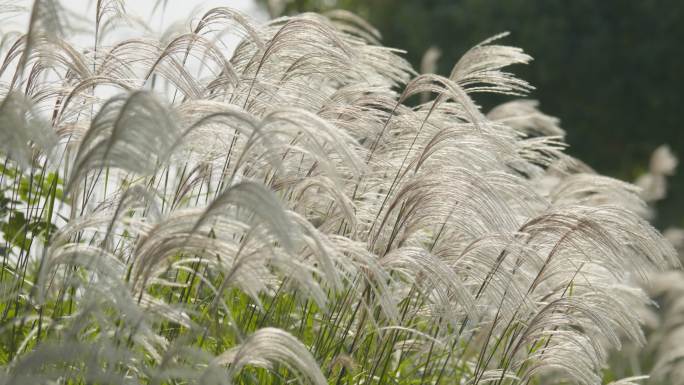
{"x": 14, "y": 230}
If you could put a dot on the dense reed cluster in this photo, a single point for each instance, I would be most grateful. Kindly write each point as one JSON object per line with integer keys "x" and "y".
{"x": 662, "y": 354}
{"x": 228, "y": 202}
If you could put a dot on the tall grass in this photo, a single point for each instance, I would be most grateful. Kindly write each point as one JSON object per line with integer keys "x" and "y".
{"x": 181, "y": 208}
{"x": 662, "y": 354}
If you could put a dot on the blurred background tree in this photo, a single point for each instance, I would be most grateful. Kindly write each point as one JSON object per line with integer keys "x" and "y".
{"x": 612, "y": 70}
